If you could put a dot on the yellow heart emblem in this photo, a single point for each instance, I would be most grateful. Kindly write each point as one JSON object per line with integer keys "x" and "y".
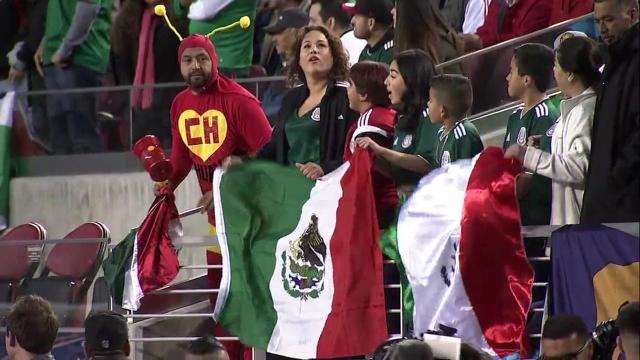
{"x": 203, "y": 134}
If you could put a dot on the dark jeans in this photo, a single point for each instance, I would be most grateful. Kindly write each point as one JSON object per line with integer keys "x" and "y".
{"x": 72, "y": 117}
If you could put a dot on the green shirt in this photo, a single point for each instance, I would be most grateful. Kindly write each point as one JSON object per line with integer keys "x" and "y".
{"x": 461, "y": 142}
{"x": 234, "y": 47}
{"x": 421, "y": 141}
{"x": 93, "y": 52}
{"x": 303, "y": 137}
{"x": 380, "y": 52}
{"x": 535, "y": 205}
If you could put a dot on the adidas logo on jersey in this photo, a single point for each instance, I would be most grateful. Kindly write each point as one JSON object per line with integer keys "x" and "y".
{"x": 542, "y": 110}
{"x": 459, "y": 131}
{"x": 388, "y": 45}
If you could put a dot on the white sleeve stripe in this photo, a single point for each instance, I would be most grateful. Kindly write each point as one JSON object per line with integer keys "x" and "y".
{"x": 368, "y": 129}
{"x": 537, "y": 112}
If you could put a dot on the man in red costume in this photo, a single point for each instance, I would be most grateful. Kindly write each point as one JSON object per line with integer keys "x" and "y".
{"x": 212, "y": 121}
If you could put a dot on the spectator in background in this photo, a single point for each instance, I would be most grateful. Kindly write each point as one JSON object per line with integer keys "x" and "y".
{"x": 329, "y": 14}
{"x": 419, "y": 25}
{"x": 268, "y": 15}
{"x": 9, "y": 28}
{"x": 528, "y": 80}
{"x": 144, "y": 53}
{"x": 628, "y": 324}
{"x": 22, "y": 66}
{"x": 284, "y": 33}
{"x": 563, "y": 10}
{"x": 32, "y": 328}
{"x": 206, "y": 348}
{"x": 465, "y": 16}
{"x": 372, "y": 21}
{"x": 567, "y": 161}
{"x": 410, "y": 350}
{"x": 106, "y": 336}
{"x": 566, "y": 336}
{"x": 234, "y": 47}
{"x": 468, "y": 352}
{"x": 75, "y": 54}
{"x": 315, "y": 117}
{"x": 612, "y": 186}
{"x": 508, "y": 19}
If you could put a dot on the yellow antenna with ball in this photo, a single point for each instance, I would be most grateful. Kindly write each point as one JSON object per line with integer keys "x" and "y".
{"x": 161, "y": 10}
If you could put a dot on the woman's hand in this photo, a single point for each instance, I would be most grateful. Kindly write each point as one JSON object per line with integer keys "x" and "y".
{"x": 367, "y": 143}
{"x": 516, "y": 151}
{"x": 311, "y": 170}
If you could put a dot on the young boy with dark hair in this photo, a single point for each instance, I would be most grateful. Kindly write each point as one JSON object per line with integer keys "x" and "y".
{"x": 528, "y": 80}
{"x": 450, "y": 99}
{"x": 368, "y": 96}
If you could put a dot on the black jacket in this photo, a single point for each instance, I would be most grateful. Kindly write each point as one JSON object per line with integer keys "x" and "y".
{"x": 612, "y": 189}
{"x": 335, "y": 120}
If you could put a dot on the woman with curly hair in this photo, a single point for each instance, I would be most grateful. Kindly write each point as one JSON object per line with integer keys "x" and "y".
{"x": 315, "y": 117}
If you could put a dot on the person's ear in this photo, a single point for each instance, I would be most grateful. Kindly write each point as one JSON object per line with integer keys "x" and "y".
{"x": 371, "y": 23}
{"x": 331, "y": 23}
{"x": 12, "y": 339}
{"x": 362, "y": 97}
{"x": 443, "y": 112}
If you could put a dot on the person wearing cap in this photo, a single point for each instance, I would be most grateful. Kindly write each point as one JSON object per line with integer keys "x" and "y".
{"x": 329, "y": 13}
{"x": 284, "y": 34}
{"x": 106, "y": 336}
{"x": 372, "y": 21}
{"x": 32, "y": 327}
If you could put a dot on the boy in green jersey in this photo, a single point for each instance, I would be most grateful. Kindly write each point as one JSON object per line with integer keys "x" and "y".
{"x": 450, "y": 99}
{"x": 528, "y": 80}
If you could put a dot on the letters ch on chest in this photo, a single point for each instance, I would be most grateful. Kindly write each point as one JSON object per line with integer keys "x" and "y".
{"x": 203, "y": 133}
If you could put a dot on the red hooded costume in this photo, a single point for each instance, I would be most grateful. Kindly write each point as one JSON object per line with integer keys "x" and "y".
{"x": 222, "y": 120}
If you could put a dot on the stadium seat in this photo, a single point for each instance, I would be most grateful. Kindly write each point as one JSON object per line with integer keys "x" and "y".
{"x": 14, "y": 260}
{"x": 69, "y": 271}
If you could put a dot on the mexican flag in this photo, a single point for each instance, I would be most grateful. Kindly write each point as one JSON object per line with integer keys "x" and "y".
{"x": 146, "y": 259}
{"x": 6, "y": 121}
{"x": 476, "y": 277}
{"x": 302, "y": 272}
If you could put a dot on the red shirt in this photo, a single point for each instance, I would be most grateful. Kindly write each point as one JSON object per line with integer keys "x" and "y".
{"x": 208, "y": 127}
{"x": 378, "y": 122}
{"x": 569, "y": 9}
{"x": 523, "y": 18}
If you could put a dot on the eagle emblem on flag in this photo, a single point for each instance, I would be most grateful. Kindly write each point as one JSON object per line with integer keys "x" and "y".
{"x": 303, "y": 263}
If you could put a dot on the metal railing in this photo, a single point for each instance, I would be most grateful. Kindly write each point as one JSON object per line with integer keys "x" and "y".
{"x": 511, "y": 42}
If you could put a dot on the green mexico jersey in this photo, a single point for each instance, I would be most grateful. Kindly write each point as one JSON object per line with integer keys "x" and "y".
{"x": 303, "y": 137}
{"x": 421, "y": 141}
{"x": 93, "y": 51}
{"x": 381, "y": 52}
{"x": 234, "y": 47}
{"x": 461, "y": 142}
{"x": 535, "y": 205}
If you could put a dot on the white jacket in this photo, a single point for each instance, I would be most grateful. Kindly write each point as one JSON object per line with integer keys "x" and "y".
{"x": 568, "y": 161}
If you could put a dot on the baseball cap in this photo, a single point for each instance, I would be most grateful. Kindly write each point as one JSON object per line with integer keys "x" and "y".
{"x": 288, "y": 18}
{"x": 105, "y": 332}
{"x": 565, "y": 35}
{"x": 380, "y": 10}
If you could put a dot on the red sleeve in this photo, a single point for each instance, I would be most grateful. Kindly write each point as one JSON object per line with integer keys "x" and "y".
{"x": 252, "y": 127}
{"x": 580, "y": 7}
{"x": 536, "y": 17}
{"x": 488, "y": 32}
{"x": 180, "y": 159}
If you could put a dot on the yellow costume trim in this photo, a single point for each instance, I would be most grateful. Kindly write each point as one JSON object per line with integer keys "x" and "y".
{"x": 215, "y": 248}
